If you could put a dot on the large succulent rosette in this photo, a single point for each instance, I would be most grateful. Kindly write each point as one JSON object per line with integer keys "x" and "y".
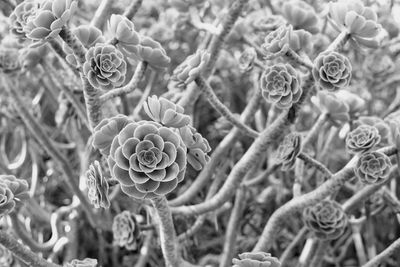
{"x": 301, "y": 15}
{"x": 19, "y": 17}
{"x": 362, "y": 139}
{"x": 373, "y": 168}
{"x": 280, "y": 85}
{"x": 332, "y": 70}
{"x": 126, "y": 232}
{"x": 326, "y": 219}
{"x": 165, "y": 112}
{"x": 192, "y": 67}
{"x": 148, "y": 159}
{"x": 46, "y": 22}
{"x": 105, "y": 67}
{"x": 360, "y": 21}
{"x": 288, "y": 150}
{"x": 256, "y": 259}
{"x": 88, "y": 35}
{"x": 97, "y": 186}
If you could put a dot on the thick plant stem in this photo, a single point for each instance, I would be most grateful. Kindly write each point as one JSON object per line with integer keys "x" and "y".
{"x": 219, "y": 153}
{"x": 222, "y": 109}
{"x": 308, "y": 160}
{"x": 43, "y": 139}
{"x": 319, "y": 254}
{"x": 168, "y": 239}
{"x": 101, "y": 14}
{"x": 91, "y": 94}
{"x": 299, "y": 203}
{"x": 339, "y": 42}
{"x": 292, "y": 55}
{"x": 130, "y": 87}
{"x": 23, "y": 253}
{"x": 131, "y": 11}
{"x": 231, "y": 231}
{"x": 381, "y": 257}
{"x": 308, "y": 252}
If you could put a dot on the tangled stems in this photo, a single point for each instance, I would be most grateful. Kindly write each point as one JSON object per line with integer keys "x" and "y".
{"x": 167, "y": 232}
{"x": 45, "y": 141}
{"x": 222, "y": 109}
{"x": 299, "y": 203}
{"x": 219, "y": 153}
{"x": 252, "y": 156}
{"x": 130, "y": 87}
{"x": 381, "y": 257}
{"x": 91, "y": 94}
{"x": 24, "y": 254}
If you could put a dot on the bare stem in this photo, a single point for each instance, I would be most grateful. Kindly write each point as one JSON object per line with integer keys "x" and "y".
{"x": 101, "y": 14}
{"x": 23, "y": 253}
{"x": 308, "y": 160}
{"x": 339, "y": 42}
{"x": 131, "y": 11}
{"x": 381, "y": 257}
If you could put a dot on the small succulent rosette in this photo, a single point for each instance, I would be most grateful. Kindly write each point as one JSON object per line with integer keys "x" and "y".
{"x": 13, "y": 192}
{"x": 280, "y": 84}
{"x": 105, "y": 67}
{"x": 88, "y": 262}
{"x": 247, "y": 58}
{"x": 362, "y": 139}
{"x": 97, "y": 186}
{"x": 89, "y": 37}
{"x": 193, "y": 66}
{"x": 46, "y": 22}
{"x": 360, "y": 21}
{"x": 301, "y": 15}
{"x": 256, "y": 259}
{"x": 288, "y": 151}
{"x": 19, "y": 17}
{"x": 373, "y": 167}
{"x": 165, "y": 112}
{"x": 332, "y": 71}
{"x": 380, "y": 124}
{"x": 148, "y": 159}
{"x": 126, "y": 231}
{"x": 326, "y": 219}
{"x": 9, "y": 62}
{"x": 197, "y": 146}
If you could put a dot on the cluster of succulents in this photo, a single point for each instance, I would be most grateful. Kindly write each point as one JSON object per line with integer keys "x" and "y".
{"x": 147, "y": 132}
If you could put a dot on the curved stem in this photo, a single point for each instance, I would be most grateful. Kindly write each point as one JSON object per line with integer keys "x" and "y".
{"x": 168, "y": 237}
{"x": 292, "y": 55}
{"x": 222, "y": 109}
{"x": 381, "y": 257}
{"x": 133, "y": 9}
{"x": 21, "y": 252}
{"x": 339, "y": 42}
{"x": 130, "y": 87}
{"x": 299, "y": 203}
{"x": 308, "y": 160}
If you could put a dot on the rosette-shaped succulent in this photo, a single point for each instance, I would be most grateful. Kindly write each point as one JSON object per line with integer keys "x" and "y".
{"x": 19, "y": 17}
{"x": 97, "y": 186}
{"x": 126, "y": 230}
{"x": 373, "y": 167}
{"x": 256, "y": 259}
{"x": 332, "y": 71}
{"x": 247, "y": 58}
{"x": 148, "y": 159}
{"x": 29, "y": 57}
{"x": 326, "y": 219}
{"x": 46, "y": 22}
{"x": 362, "y": 139}
{"x": 301, "y": 15}
{"x": 193, "y": 66}
{"x": 288, "y": 151}
{"x": 165, "y": 112}
{"x": 7, "y": 202}
{"x": 105, "y": 67}
{"x": 360, "y": 21}
{"x": 82, "y": 263}
{"x": 381, "y": 125}
{"x": 153, "y": 53}
{"x": 9, "y": 62}
{"x": 277, "y": 42}
{"x": 197, "y": 146}
{"x": 280, "y": 85}
{"x": 6, "y": 257}
{"x": 18, "y": 187}
{"x": 106, "y": 130}
{"x": 88, "y": 35}
{"x": 125, "y": 35}
{"x": 330, "y": 104}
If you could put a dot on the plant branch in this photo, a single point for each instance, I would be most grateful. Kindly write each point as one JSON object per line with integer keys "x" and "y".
{"x": 308, "y": 160}
{"x": 131, "y": 11}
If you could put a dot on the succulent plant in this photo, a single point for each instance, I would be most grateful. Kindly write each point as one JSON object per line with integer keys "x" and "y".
{"x": 373, "y": 167}
{"x": 126, "y": 230}
{"x": 362, "y": 139}
{"x": 191, "y": 68}
{"x": 256, "y": 259}
{"x": 97, "y": 186}
{"x": 288, "y": 150}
